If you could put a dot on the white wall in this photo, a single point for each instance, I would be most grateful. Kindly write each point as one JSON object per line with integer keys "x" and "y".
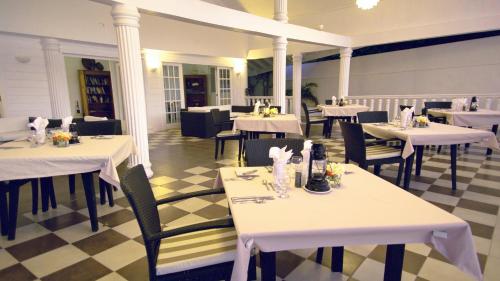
{"x": 24, "y": 86}
{"x": 467, "y": 67}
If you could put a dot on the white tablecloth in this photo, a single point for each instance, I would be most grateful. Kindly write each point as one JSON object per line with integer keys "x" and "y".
{"x": 356, "y": 213}
{"x": 339, "y": 111}
{"x": 47, "y": 160}
{"x": 482, "y": 117}
{"x": 435, "y": 134}
{"x": 287, "y": 123}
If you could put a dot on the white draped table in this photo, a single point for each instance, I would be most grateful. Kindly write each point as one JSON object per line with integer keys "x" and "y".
{"x": 434, "y": 134}
{"x": 19, "y": 160}
{"x": 384, "y": 214}
{"x": 350, "y": 110}
{"x": 287, "y": 123}
{"x": 482, "y": 117}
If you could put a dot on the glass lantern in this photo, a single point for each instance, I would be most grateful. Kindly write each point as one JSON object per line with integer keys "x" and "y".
{"x": 317, "y": 169}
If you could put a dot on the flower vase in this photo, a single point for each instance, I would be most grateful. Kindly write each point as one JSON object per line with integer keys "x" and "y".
{"x": 336, "y": 180}
{"x": 62, "y": 143}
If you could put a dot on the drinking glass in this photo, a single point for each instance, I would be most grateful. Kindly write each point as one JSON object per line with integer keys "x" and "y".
{"x": 283, "y": 182}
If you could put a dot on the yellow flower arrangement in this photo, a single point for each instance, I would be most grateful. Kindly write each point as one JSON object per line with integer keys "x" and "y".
{"x": 422, "y": 120}
{"x": 61, "y": 137}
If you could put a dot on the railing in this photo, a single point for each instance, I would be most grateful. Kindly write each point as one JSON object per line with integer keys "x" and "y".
{"x": 251, "y": 100}
{"x": 391, "y": 103}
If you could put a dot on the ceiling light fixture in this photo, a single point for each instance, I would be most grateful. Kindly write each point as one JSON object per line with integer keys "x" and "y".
{"x": 366, "y": 4}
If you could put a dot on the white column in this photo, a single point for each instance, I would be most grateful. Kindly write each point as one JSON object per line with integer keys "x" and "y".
{"x": 56, "y": 77}
{"x": 345, "y": 65}
{"x": 279, "y": 72}
{"x": 126, "y": 22}
{"x": 297, "y": 84}
{"x": 281, "y": 11}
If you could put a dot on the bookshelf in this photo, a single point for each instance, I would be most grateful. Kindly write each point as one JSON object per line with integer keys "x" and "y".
{"x": 97, "y": 93}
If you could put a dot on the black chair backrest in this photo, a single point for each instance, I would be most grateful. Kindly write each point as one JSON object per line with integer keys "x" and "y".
{"x": 329, "y": 102}
{"x": 306, "y": 112}
{"x": 373, "y": 117}
{"x": 437, "y": 104}
{"x": 242, "y": 108}
{"x": 354, "y": 141}
{"x": 135, "y": 185}
{"x": 257, "y": 150}
{"x": 104, "y": 127}
{"x": 53, "y": 123}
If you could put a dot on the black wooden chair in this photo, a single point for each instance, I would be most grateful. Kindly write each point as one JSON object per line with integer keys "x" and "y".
{"x": 315, "y": 121}
{"x": 257, "y": 151}
{"x": 177, "y": 254}
{"x": 329, "y": 102}
{"x": 373, "y": 117}
{"x": 437, "y": 105}
{"x": 367, "y": 154}
{"x": 224, "y": 133}
{"x": 242, "y": 108}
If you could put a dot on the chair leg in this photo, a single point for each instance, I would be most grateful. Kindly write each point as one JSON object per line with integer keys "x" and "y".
{"x": 45, "y": 194}
{"x": 308, "y": 129}
{"x": 52, "y": 194}
{"x": 109, "y": 191}
{"x": 102, "y": 191}
{"x": 240, "y": 147}
{"x": 222, "y": 143}
{"x": 377, "y": 169}
{"x": 400, "y": 173}
{"x": 34, "y": 196}
{"x": 4, "y": 213}
{"x": 252, "y": 269}
{"x": 439, "y": 149}
{"x": 319, "y": 255}
{"x": 71, "y": 183}
{"x": 216, "y": 148}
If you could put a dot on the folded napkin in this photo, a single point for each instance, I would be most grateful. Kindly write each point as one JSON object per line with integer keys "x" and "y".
{"x": 39, "y": 124}
{"x": 66, "y": 121}
{"x": 280, "y": 155}
{"x": 256, "y": 108}
{"x": 406, "y": 116}
{"x": 458, "y": 104}
{"x": 306, "y": 154}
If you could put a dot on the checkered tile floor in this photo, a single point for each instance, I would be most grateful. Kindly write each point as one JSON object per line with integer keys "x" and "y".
{"x": 58, "y": 245}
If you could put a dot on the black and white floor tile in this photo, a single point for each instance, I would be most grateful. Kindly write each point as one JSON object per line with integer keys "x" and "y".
{"x": 58, "y": 244}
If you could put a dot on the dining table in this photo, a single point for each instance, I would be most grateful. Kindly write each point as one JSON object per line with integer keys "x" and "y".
{"x": 305, "y": 220}
{"x": 279, "y": 123}
{"x": 345, "y": 111}
{"x": 479, "y": 118}
{"x": 415, "y": 138}
{"x": 21, "y": 160}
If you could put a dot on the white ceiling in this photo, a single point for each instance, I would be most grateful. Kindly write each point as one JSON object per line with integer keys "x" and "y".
{"x": 343, "y": 17}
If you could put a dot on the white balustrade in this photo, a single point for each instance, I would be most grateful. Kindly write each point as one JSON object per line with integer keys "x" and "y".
{"x": 487, "y": 101}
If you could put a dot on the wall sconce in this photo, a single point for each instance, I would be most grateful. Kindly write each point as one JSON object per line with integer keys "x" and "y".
{"x": 23, "y": 59}
{"x": 153, "y": 61}
{"x": 239, "y": 66}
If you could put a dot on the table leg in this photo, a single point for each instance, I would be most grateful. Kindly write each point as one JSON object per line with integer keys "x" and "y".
{"x": 34, "y": 196}
{"x": 4, "y": 211}
{"x": 394, "y": 262}
{"x": 494, "y": 129}
{"x": 337, "y": 259}
{"x": 268, "y": 265}
{"x": 453, "y": 155}
{"x": 408, "y": 169}
{"x": 88, "y": 185}
{"x": 13, "y": 208}
{"x": 420, "y": 155}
